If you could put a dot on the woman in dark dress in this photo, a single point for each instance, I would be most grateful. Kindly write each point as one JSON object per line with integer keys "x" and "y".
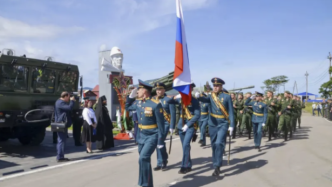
{"x": 104, "y": 136}
{"x": 90, "y": 122}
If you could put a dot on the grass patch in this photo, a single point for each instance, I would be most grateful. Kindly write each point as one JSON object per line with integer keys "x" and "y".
{"x": 308, "y": 108}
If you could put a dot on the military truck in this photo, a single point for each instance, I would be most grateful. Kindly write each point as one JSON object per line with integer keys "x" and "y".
{"x": 28, "y": 91}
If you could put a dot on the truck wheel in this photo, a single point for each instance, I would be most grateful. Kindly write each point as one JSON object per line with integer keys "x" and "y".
{"x": 24, "y": 140}
{"x": 3, "y": 139}
{"x": 38, "y": 137}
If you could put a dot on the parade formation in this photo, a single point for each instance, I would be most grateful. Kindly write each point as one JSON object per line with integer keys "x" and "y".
{"x": 214, "y": 110}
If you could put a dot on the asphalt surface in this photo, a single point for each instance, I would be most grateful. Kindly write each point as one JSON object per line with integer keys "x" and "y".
{"x": 305, "y": 160}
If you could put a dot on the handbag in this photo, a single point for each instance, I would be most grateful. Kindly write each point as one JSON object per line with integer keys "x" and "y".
{"x": 58, "y": 126}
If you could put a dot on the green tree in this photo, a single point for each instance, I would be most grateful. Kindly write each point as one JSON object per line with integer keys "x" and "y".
{"x": 274, "y": 83}
{"x": 326, "y": 89}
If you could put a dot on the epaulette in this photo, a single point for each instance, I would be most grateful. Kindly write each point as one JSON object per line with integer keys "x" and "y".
{"x": 154, "y": 100}
{"x": 225, "y": 93}
{"x": 169, "y": 96}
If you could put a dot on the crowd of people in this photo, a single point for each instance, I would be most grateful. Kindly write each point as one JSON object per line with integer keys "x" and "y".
{"x": 97, "y": 125}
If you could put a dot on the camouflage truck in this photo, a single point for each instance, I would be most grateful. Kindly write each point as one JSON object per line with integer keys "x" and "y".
{"x": 28, "y": 91}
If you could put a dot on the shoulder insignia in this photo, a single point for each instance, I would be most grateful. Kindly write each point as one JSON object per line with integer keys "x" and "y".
{"x": 155, "y": 101}
{"x": 169, "y": 96}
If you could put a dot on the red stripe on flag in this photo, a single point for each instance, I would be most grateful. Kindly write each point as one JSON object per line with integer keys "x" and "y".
{"x": 178, "y": 59}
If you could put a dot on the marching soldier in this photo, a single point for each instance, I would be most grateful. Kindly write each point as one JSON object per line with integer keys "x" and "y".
{"x": 259, "y": 116}
{"x": 221, "y": 118}
{"x": 234, "y": 101}
{"x": 285, "y": 113}
{"x": 203, "y": 121}
{"x": 169, "y": 113}
{"x": 272, "y": 106}
{"x": 246, "y": 117}
{"x": 239, "y": 105}
{"x": 295, "y": 112}
{"x": 187, "y": 131}
{"x": 152, "y": 129}
{"x": 302, "y": 105}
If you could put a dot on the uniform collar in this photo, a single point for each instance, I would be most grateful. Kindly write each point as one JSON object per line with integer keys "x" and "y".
{"x": 145, "y": 99}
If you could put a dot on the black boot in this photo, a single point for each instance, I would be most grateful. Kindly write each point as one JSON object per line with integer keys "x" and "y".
{"x": 183, "y": 171}
{"x": 164, "y": 167}
{"x": 216, "y": 172}
{"x": 157, "y": 168}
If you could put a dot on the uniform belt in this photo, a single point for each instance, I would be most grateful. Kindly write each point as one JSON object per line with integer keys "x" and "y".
{"x": 258, "y": 114}
{"x": 153, "y": 126}
{"x": 217, "y": 116}
{"x": 204, "y": 113}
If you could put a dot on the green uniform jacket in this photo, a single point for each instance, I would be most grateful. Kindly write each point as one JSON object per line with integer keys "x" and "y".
{"x": 272, "y": 109}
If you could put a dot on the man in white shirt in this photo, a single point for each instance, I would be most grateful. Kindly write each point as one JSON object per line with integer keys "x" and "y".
{"x": 313, "y": 109}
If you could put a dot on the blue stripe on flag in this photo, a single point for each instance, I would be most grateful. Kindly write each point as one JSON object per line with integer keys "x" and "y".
{"x": 183, "y": 89}
{"x": 179, "y": 31}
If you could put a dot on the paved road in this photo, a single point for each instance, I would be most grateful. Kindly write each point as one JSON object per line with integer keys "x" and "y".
{"x": 303, "y": 161}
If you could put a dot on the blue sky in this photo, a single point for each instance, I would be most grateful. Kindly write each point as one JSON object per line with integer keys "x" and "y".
{"x": 243, "y": 42}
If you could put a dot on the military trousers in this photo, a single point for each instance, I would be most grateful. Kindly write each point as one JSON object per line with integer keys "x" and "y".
{"x": 218, "y": 141}
{"x": 299, "y": 120}
{"x": 239, "y": 119}
{"x": 185, "y": 140}
{"x": 246, "y": 122}
{"x": 145, "y": 150}
{"x": 294, "y": 121}
{"x": 285, "y": 123}
{"x": 202, "y": 129}
{"x": 162, "y": 155}
{"x": 257, "y": 129}
{"x": 235, "y": 126}
{"x": 271, "y": 124}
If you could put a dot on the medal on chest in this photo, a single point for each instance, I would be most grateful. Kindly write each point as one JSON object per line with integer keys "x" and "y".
{"x": 148, "y": 112}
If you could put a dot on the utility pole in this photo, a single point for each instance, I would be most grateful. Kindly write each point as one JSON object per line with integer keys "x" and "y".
{"x": 330, "y": 58}
{"x": 306, "y": 94}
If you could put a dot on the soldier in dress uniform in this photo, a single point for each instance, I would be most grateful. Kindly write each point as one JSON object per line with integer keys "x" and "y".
{"x": 203, "y": 121}
{"x": 187, "y": 130}
{"x": 272, "y": 106}
{"x": 246, "y": 117}
{"x": 152, "y": 128}
{"x": 258, "y": 118}
{"x": 169, "y": 113}
{"x": 221, "y": 119}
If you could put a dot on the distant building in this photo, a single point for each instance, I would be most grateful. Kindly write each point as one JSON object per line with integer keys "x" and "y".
{"x": 95, "y": 90}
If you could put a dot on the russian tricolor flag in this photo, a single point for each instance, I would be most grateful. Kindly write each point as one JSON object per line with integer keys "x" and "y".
{"x": 182, "y": 77}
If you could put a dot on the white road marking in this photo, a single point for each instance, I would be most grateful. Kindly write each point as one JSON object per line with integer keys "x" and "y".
{"x": 68, "y": 163}
{"x": 172, "y": 183}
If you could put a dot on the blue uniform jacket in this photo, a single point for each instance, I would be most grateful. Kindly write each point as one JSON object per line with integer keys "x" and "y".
{"x": 217, "y": 117}
{"x": 194, "y": 109}
{"x": 169, "y": 109}
{"x": 259, "y": 111}
{"x": 151, "y": 119}
{"x": 204, "y": 111}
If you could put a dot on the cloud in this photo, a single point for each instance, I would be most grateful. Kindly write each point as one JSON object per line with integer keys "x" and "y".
{"x": 10, "y": 28}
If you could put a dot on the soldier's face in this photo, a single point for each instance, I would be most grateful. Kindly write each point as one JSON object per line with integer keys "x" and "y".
{"x": 141, "y": 92}
{"x": 285, "y": 95}
{"x": 160, "y": 92}
{"x": 269, "y": 94}
{"x": 240, "y": 97}
{"x": 232, "y": 96}
{"x": 217, "y": 88}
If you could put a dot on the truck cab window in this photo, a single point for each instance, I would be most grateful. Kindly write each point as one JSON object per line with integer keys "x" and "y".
{"x": 67, "y": 81}
{"x": 43, "y": 81}
{"x": 14, "y": 78}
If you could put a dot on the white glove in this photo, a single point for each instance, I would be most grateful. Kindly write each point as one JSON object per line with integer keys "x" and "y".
{"x": 171, "y": 131}
{"x": 177, "y": 96}
{"x": 230, "y": 131}
{"x": 160, "y": 146}
{"x": 184, "y": 128}
{"x": 263, "y": 124}
{"x": 133, "y": 93}
{"x": 197, "y": 95}
{"x": 253, "y": 97}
